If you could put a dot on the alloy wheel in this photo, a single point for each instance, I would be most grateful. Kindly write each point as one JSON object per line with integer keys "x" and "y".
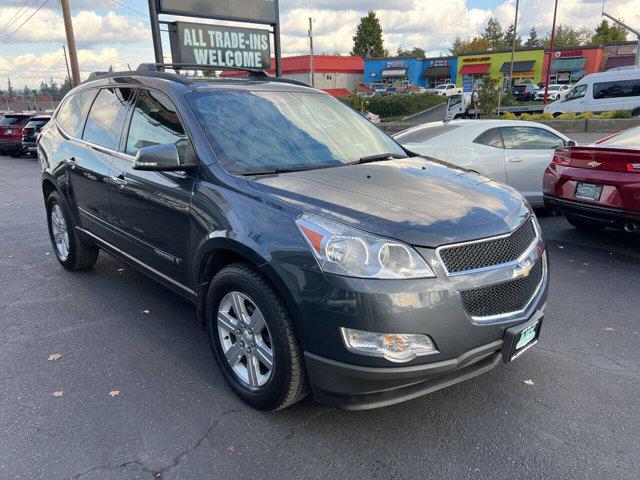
{"x": 245, "y": 339}
{"x": 59, "y": 232}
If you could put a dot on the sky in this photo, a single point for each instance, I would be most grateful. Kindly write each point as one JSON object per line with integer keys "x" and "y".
{"x": 117, "y": 33}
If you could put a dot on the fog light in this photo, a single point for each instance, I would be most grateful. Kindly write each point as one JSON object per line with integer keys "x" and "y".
{"x": 396, "y": 347}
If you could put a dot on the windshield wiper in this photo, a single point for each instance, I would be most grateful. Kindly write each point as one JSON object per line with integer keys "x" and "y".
{"x": 297, "y": 168}
{"x": 376, "y": 158}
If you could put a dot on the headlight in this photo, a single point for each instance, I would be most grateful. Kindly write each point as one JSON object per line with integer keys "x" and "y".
{"x": 351, "y": 252}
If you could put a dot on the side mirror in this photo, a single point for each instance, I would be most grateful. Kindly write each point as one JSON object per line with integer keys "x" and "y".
{"x": 164, "y": 157}
{"x": 571, "y": 143}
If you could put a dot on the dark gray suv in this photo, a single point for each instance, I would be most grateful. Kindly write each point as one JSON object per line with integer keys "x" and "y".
{"x": 322, "y": 256}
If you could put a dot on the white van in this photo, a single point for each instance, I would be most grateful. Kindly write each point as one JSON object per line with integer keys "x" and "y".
{"x": 601, "y": 92}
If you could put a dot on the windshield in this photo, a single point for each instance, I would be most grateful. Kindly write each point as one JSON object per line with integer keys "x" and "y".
{"x": 441, "y": 87}
{"x": 36, "y": 123}
{"x": 260, "y": 132}
{"x": 10, "y": 120}
{"x": 625, "y": 139}
{"x": 554, "y": 87}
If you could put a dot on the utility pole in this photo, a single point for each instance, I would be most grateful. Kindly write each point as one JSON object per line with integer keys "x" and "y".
{"x": 553, "y": 36}
{"x": 513, "y": 46}
{"x": 155, "y": 32}
{"x": 311, "y": 69}
{"x": 632, "y": 30}
{"x": 71, "y": 43}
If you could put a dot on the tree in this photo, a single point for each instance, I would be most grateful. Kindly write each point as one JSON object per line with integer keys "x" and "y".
{"x": 65, "y": 87}
{"x": 367, "y": 42}
{"x": 473, "y": 45}
{"x": 534, "y": 39}
{"x": 606, "y": 33}
{"x": 26, "y": 94}
{"x": 456, "y": 46}
{"x": 414, "y": 52}
{"x": 508, "y": 37}
{"x": 494, "y": 33}
{"x": 11, "y": 93}
{"x": 569, "y": 37}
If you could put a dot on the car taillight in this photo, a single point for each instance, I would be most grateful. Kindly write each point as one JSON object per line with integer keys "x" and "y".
{"x": 633, "y": 167}
{"x": 560, "y": 158}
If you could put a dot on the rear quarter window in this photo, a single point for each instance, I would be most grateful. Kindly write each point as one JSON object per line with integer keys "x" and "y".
{"x": 490, "y": 138}
{"x": 71, "y": 114}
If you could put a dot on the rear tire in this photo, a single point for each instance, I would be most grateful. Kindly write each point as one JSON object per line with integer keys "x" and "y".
{"x": 70, "y": 250}
{"x": 585, "y": 225}
{"x": 265, "y": 389}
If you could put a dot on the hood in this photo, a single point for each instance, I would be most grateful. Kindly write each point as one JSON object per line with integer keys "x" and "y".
{"x": 421, "y": 202}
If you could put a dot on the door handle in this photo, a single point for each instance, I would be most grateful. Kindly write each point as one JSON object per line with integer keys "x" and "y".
{"x": 515, "y": 160}
{"x": 118, "y": 181}
{"x": 71, "y": 162}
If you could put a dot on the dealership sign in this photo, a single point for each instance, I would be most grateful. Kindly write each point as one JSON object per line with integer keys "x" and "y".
{"x": 256, "y": 11}
{"x": 217, "y": 45}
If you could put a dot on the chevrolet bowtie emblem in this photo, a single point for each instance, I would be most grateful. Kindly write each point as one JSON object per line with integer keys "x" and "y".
{"x": 594, "y": 164}
{"x": 523, "y": 269}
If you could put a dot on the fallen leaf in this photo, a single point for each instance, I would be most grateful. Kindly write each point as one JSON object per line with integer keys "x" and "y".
{"x": 57, "y": 394}
{"x": 146, "y": 312}
{"x": 527, "y": 382}
{"x": 609, "y": 329}
{"x": 231, "y": 449}
{"x": 54, "y": 356}
{"x": 114, "y": 393}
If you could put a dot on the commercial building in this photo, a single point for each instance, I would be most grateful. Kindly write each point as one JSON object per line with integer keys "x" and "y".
{"x": 616, "y": 55}
{"x": 474, "y": 68}
{"x": 410, "y": 71}
{"x": 568, "y": 65}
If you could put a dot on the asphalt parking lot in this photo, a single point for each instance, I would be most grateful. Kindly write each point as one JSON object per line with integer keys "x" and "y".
{"x": 568, "y": 409}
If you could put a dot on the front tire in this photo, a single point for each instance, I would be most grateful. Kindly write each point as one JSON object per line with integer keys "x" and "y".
{"x": 70, "y": 250}
{"x": 585, "y": 225}
{"x": 253, "y": 339}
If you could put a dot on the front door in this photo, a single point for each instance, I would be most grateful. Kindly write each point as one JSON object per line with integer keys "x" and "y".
{"x": 528, "y": 152}
{"x": 151, "y": 210}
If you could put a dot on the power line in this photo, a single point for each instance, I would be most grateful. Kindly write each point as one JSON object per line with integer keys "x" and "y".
{"x": 18, "y": 14}
{"x": 130, "y": 10}
{"x": 4, "y": 40}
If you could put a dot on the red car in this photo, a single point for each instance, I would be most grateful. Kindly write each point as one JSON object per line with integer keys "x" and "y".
{"x": 11, "y": 125}
{"x": 597, "y": 186}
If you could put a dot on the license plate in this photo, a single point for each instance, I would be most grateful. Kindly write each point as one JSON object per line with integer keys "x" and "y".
{"x": 588, "y": 191}
{"x": 521, "y": 338}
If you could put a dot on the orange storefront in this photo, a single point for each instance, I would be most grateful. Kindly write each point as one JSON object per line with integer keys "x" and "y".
{"x": 568, "y": 65}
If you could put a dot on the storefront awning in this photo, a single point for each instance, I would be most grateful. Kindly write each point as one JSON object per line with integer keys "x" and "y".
{"x": 394, "y": 72}
{"x": 621, "y": 61}
{"x": 475, "y": 69}
{"x": 436, "y": 72}
{"x": 567, "y": 64}
{"x": 518, "y": 66}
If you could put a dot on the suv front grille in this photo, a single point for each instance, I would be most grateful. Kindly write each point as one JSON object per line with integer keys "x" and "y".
{"x": 503, "y": 298}
{"x": 472, "y": 256}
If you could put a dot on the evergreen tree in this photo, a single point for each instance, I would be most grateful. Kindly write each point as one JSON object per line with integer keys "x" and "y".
{"x": 456, "y": 47}
{"x": 26, "y": 94}
{"x": 54, "y": 90}
{"x": 508, "y": 37}
{"x": 568, "y": 37}
{"x": 534, "y": 39}
{"x": 494, "y": 33}
{"x": 367, "y": 42}
{"x": 65, "y": 87}
{"x": 606, "y": 33}
{"x": 11, "y": 93}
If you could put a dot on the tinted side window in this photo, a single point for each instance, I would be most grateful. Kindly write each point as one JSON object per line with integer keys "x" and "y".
{"x": 624, "y": 88}
{"x": 108, "y": 112}
{"x": 72, "y": 112}
{"x": 576, "y": 92}
{"x": 155, "y": 122}
{"x": 491, "y": 138}
{"x": 529, "y": 138}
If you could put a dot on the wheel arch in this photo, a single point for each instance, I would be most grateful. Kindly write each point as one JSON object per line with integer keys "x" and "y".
{"x": 216, "y": 254}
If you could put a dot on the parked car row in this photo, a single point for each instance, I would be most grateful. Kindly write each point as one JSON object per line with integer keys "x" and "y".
{"x": 18, "y": 132}
{"x": 594, "y": 186}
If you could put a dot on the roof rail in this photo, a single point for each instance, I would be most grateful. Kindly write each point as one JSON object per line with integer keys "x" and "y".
{"x": 253, "y": 73}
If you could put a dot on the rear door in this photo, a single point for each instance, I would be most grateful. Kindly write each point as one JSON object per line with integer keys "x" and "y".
{"x": 528, "y": 152}
{"x": 151, "y": 210}
{"x": 89, "y": 158}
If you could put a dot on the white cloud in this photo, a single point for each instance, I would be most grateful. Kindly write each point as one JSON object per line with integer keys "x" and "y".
{"x": 89, "y": 28}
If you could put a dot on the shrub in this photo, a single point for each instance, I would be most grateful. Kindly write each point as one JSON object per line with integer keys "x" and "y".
{"x": 509, "y": 116}
{"x": 606, "y": 115}
{"x": 545, "y": 116}
{"x": 622, "y": 114}
{"x": 398, "y": 105}
{"x": 527, "y": 116}
{"x": 356, "y": 102}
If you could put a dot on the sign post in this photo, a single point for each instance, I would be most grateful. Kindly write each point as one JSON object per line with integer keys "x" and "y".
{"x": 211, "y": 45}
